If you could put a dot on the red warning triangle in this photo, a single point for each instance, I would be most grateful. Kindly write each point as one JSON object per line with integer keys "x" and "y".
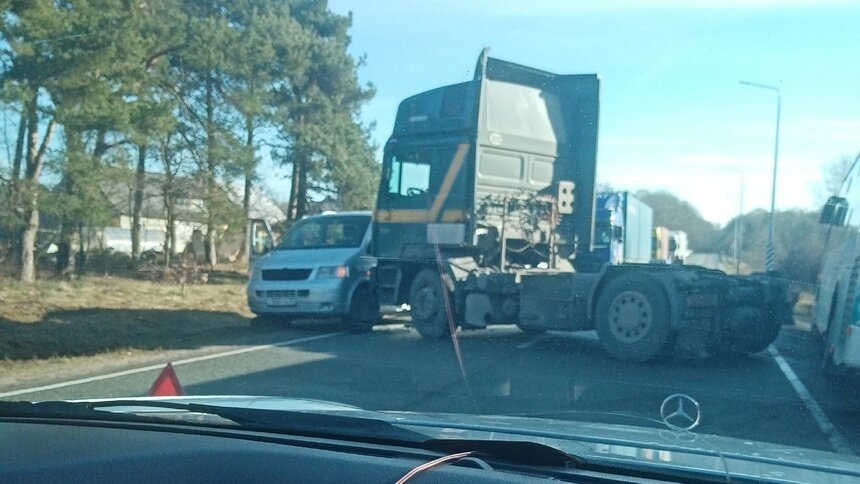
{"x": 167, "y": 384}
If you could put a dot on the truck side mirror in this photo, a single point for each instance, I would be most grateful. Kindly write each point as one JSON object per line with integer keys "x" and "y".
{"x": 834, "y": 211}
{"x": 618, "y": 233}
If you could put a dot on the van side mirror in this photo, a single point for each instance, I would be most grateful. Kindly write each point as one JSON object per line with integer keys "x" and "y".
{"x": 261, "y": 236}
{"x": 834, "y": 211}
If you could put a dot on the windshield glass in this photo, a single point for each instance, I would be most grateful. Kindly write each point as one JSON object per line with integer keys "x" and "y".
{"x": 331, "y": 232}
{"x": 643, "y": 217}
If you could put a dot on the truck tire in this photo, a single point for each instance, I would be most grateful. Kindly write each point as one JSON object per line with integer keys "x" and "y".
{"x": 763, "y": 340}
{"x": 427, "y": 305}
{"x": 632, "y": 318}
{"x": 831, "y": 370}
{"x": 363, "y": 310}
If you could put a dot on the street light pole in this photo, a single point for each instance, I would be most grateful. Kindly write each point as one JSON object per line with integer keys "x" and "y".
{"x": 769, "y": 256}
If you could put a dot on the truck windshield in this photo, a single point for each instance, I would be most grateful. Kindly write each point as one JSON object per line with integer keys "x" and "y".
{"x": 329, "y": 232}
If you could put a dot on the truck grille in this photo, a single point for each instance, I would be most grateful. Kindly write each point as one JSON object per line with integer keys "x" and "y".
{"x": 286, "y": 274}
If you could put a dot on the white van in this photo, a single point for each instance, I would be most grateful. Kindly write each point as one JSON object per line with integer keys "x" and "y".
{"x": 320, "y": 269}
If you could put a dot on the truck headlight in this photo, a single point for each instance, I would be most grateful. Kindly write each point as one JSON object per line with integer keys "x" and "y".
{"x": 340, "y": 272}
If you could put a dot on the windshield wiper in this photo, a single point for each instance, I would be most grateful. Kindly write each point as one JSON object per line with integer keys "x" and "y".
{"x": 346, "y": 427}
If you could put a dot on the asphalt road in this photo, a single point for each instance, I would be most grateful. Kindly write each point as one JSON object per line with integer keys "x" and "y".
{"x": 507, "y": 372}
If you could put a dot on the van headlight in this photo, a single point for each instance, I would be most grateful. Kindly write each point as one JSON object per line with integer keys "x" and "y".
{"x": 339, "y": 272}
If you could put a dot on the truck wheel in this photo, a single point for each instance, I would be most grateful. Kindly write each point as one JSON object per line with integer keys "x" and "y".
{"x": 761, "y": 343}
{"x": 427, "y": 303}
{"x": 632, "y": 318}
{"x": 363, "y": 310}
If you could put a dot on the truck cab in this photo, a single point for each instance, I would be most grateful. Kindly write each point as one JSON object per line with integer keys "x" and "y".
{"x": 462, "y": 160}
{"x": 485, "y": 215}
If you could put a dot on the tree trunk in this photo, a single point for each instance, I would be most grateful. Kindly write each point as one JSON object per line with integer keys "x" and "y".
{"x": 28, "y": 239}
{"x": 211, "y": 254}
{"x": 101, "y": 146}
{"x": 15, "y": 187}
{"x": 170, "y": 236}
{"x": 245, "y": 245}
{"x": 81, "y": 255}
{"x": 64, "y": 246}
{"x": 167, "y": 192}
{"x": 68, "y": 226}
{"x": 137, "y": 207}
{"x": 294, "y": 191}
{"x": 297, "y": 205}
{"x": 35, "y": 153}
{"x": 302, "y": 200}
{"x": 19, "y": 152}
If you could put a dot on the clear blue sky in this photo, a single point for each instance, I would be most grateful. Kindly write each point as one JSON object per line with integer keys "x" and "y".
{"x": 673, "y": 114}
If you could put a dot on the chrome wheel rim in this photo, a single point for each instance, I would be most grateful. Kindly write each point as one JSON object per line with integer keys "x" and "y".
{"x": 630, "y": 316}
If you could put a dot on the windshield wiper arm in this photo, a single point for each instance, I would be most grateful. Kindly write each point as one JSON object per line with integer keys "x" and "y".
{"x": 347, "y": 427}
{"x": 515, "y": 452}
{"x": 65, "y": 410}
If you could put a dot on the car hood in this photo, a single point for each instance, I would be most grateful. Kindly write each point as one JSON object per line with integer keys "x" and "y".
{"x": 607, "y": 443}
{"x": 309, "y": 258}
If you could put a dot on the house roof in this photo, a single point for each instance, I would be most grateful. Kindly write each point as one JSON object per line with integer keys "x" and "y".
{"x": 188, "y": 191}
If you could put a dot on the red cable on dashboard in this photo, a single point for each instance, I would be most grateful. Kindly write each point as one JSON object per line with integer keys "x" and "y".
{"x": 434, "y": 463}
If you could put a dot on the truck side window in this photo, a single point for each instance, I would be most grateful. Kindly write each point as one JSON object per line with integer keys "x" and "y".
{"x": 408, "y": 178}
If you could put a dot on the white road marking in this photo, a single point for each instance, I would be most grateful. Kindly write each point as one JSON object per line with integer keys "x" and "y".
{"x": 838, "y": 442}
{"x": 531, "y": 343}
{"x": 390, "y": 327}
{"x": 159, "y": 366}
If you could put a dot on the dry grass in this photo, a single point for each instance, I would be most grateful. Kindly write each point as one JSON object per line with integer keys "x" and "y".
{"x": 96, "y": 315}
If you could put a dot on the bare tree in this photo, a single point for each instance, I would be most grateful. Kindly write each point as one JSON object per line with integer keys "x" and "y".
{"x": 835, "y": 172}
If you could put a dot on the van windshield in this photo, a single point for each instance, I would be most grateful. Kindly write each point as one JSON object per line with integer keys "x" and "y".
{"x": 330, "y": 232}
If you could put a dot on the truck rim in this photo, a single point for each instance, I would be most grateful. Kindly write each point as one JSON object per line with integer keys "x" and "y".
{"x": 630, "y": 316}
{"x": 426, "y": 302}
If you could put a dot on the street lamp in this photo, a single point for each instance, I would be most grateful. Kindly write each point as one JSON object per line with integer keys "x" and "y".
{"x": 769, "y": 256}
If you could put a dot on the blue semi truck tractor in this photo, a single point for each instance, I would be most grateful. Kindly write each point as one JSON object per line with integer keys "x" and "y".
{"x": 623, "y": 229}
{"x": 486, "y": 200}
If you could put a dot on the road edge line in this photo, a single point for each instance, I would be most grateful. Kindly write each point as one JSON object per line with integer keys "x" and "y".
{"x": 185, "y": 361}
{"x": 837, "y": 442}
